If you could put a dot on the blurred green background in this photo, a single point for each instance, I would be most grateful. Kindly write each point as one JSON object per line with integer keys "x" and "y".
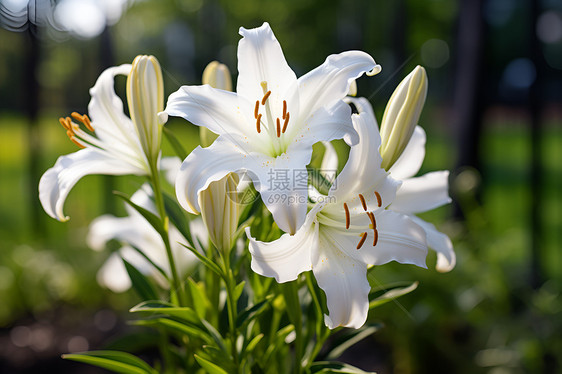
{"x": 493, "y": 117}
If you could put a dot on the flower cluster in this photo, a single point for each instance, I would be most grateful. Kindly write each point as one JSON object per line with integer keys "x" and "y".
{"x": 265, "y": 129}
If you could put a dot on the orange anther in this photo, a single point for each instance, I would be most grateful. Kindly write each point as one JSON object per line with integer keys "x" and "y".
{"x": 286, "y": 123}
{"x": 63, "y": 123}
{"x": 278, "y": 128}
{"x": 347, "y": 218}
{"x": 363, "y": 238}
{"x": 284, "y": 109}
{"x": 265, "y": 97}
{"x": 379, "y": 199}
{"x": 258, "y": 123}
{"x": 372, "y": 218}
{"x": 376, "y": 239}
{"x": 363, "y": 202}
{"x": 75, "y": 142}
{"x": 256, "y": 109}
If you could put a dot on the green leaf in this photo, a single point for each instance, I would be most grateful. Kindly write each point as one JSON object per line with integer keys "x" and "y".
{"x": 161, "y": 307}
{"x": 253, "y": 343}
{"x": 250, "y": 313}
{"x": 218, "y": 357}
{"x": 141, "y": 284}
{"x": 391, "y": 294}
{"x": 209, "y": 366}
{"x": 318, "y": 180}
{"x": 290, "y": 293}
{"x": 199, "y": 298}
{"x": 158, "y": 268}
{"x": 335, "y": 367}
{"x": 348, "y": 338}
{"x": 119, "y": 362}
{"x": 238, "y": 290}
{"x": 151, "y": 218}
{"x": 208, "y": 263}
{"x": 176, "y": 327}
{"x": 177, "y": 217}
{"x": 174, "y": 142}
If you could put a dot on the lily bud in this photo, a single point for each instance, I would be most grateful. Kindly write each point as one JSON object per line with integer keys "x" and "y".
{"x": 145, "y": 95}
{"x": 215, "y": 75}
{"x": 219, "y": 210}
{"x": 401, "y": 115}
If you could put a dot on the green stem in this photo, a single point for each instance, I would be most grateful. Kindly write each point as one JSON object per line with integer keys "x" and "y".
{"x": 232, "y": 308}
{"x": 159, "y": 200}
{"x": 321, "y": 332}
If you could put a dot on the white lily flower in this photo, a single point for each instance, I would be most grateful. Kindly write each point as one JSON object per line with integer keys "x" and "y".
{"x": 111, "y": 145}
{"x": 418, "y": 194}
{"x": 269, "y": 125}
{"x": 347, "y": 231}
{"x": 134, "y": 231}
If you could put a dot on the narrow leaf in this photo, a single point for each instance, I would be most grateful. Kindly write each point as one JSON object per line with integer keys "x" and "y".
{"x": 392, "y": 294}
{"x": 119, "y": 362}
{"x": 347, "y": 340}
{"x": 252, "y": 312}
{"x": 151, "y": 218}
{"x": 335, "y": 367}
{"x": 141, "y": 284}
{"x": 174, "y": 142}
{"x": 209, "y": 366}
{"x": 208, "y": 263}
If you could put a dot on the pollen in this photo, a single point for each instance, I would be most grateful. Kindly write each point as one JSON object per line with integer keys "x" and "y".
{"x": 286, "y": 117}
{"x": 363, "y": 203}
{"x": 265, "y": 97}
{"x": 379, "y": 199}
{"x": 347, "y": 219}
{"x": 362, "y": 241}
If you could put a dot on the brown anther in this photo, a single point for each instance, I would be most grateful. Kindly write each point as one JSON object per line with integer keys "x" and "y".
{"x": 256, "y": 109}
{"x": 87, "y": 123}
{"x": 347, "y": 219}
{"x": 363, "y": 202}
{"x": 363, "y": 238}
{"x": 373, "y": 221}
{"x": 63, "y": 123}
{"x": 75, "y": 142}
{"x": 379, "y": 199}
{"x": 376, "y": 239}
{"x": 284, "y": 109}
{"x": 258, "y": 123}
{"x": 278, "y": 128}
{"x": 265, "y": 97}
{"x": 286, "y": 123}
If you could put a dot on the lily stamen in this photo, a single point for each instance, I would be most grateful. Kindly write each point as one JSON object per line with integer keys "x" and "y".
{"x": 286, "y": 117}
{"x": 363, "y": 238}
{"x": 265, "y": 97}
{"x": 284, "y": 109}
{"x": 379, "y": 199}
{"x": 347, "y": 218}
{"x": 373, "y": 221}
{"x": 73, "y": 140}
{"x": 83, "y": 119}
{"x": 256, "y": 110}
{"x": 363, "y": 203}
{"x": 62, "y": 121}
{"x": 278, "y": 127}
{"x": 376, "y": 239}
{"x": 258, "y": 122}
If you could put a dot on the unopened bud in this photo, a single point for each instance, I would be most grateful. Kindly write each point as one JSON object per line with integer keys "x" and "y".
{"x": 401, "y": 115}
{"x": 219, "y": 210}
{"x": 145, "y": 95}
{"x": 215, "y": 75}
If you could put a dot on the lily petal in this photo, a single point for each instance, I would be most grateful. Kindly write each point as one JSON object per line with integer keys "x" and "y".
{"x": 286, "y": 257}
{"x": 440, "y": 243}
{"x": 330, "y": 81}
{"x": 206, "y": 165}
{"x": 57, "y": 182}
{"x": 344, "y": 281}
{"x": 261, "y": 59}
{"x": 362, "y": 172}
{"x": 423, "y": 193}
{"x": 410, "y": 162}
{"x": 210, "y": 107}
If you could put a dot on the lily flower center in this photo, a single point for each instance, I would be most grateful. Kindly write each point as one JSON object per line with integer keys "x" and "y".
{"x": 274, "y": 128}
{"x": 324, "y": 220}
{"x": 73, "y": 130}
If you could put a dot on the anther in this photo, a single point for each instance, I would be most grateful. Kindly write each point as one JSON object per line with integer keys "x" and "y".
{"x": 284, "y": 109}
{"x": 379, "y": 199}
{"x": 286, "y": 123}
{"x": 265, "y": 97}
{"x": 278, "y": 128}
{"x": 70, "y": 134}
{"x": 87, "y": 122}
{"x": 63, "y": 123}
{"x": 257, "y": 108}
{"x": 75, "y": 142}
{"x": 376, "y": 239}
{"x": 76, "y": 116}
{"x": 363, "y": 238}
{"x": 373, "y": 221}
{"x": 258, "y": 123}
{"x": 347, "y": 219}
{"x": 363, "y": 202}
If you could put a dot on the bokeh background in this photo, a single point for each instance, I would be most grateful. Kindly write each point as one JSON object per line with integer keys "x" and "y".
{"x": 493, "y": 117}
